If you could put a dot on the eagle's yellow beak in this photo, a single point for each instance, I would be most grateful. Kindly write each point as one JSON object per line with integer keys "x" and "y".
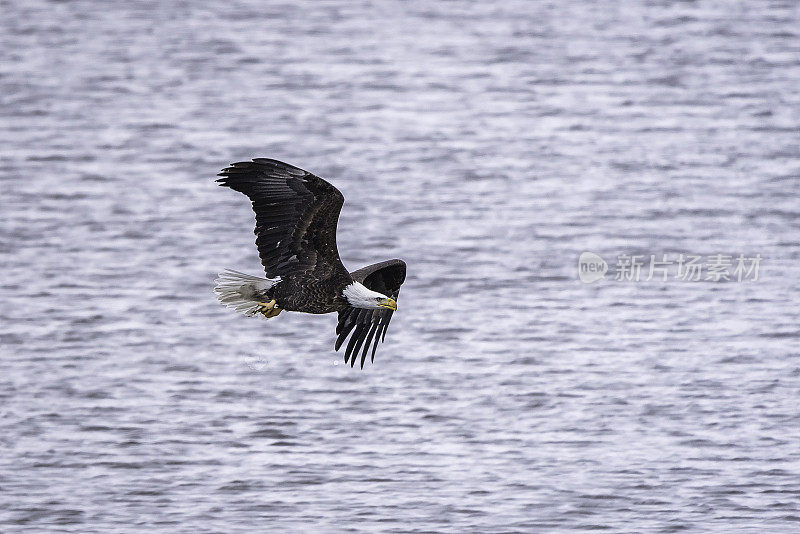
{"x": 390, "y": 304}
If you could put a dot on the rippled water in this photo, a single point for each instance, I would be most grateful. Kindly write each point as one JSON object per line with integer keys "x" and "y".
{"x": 488, "y": 146}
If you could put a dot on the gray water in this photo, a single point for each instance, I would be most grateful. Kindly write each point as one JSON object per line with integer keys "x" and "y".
{"x": 488, "y": 146}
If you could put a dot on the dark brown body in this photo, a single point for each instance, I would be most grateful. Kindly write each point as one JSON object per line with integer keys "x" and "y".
{"x": 311, "y": 297}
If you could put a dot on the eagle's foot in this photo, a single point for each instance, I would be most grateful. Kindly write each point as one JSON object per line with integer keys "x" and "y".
{"x": 268, "y": 309}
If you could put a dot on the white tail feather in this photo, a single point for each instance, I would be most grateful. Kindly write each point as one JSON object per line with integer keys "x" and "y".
{"x": 242, "y": 292}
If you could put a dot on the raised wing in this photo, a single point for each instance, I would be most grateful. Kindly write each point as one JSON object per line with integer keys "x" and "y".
{"x": 296, "y": 216}
{"x": 367, "y": 325}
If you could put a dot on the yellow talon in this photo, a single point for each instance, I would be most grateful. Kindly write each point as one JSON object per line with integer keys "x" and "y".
{"x": 269, "y": 309}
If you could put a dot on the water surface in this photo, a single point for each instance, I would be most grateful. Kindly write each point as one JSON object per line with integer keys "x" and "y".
{"x": 488, "y": 146}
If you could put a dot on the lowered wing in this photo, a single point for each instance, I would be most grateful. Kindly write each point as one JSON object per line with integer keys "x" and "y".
{"x": 368, "y": 326}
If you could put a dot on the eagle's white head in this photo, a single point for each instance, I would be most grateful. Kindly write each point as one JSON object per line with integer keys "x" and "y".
{"x": 359, "y": 296}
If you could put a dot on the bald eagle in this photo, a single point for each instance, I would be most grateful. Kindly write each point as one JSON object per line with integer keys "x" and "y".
{"x": 296, "y": 218}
